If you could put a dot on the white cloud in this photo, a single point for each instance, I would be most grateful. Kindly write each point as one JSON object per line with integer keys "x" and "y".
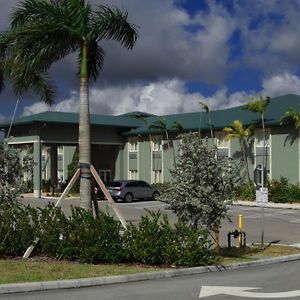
{"x": 167, "y": 97}
{"x": 269, "y": 34}
{"x": 163, "y": 97}
{"x": 281, "y": 84}
{"x": 68, "y": 105}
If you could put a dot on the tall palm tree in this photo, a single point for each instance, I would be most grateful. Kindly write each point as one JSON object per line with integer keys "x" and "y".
{"x": 44, "y": 31}
{"x": 237, "y": 131}
{"x": 205, "y": 107}
{"x": 259, "y": 105}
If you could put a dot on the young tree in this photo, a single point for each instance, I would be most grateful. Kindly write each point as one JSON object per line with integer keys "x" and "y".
{"x": 10, "y": 174}
{"x": 44, "y": 31}
{"x": 202, "y": 185}
{"x": 237, "y": 131}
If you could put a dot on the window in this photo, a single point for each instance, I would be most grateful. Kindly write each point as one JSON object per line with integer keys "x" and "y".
{"x": 220, "y": 139}
{"x": 133, "y": 144}
{"x": 133, "y": 174}
{"x": 157, "y": 143}
{"x": 259, "y": 138}
{"x": 157, "y": 176}
{"x": 222, "y": 144}
{"x": 144, "y": 184}
{"x": 60, "y": 150}
{"x": 60, "y": 175}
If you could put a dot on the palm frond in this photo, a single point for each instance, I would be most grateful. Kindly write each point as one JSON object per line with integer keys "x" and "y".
{"x": 95, "y": 59}
{"x": 178, "y": 126}
{"x": 291, "y": 116}
{"x": 204, "y": 106}
{"x": 23, "y": 79}
{"x": 258, "y": 105}
{"x": 111, "y": 23}
{"x": 237, "y": 130}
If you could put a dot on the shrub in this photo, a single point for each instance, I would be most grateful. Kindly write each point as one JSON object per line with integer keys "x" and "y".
{"x": 281, "y": 191}
{"x": 16, "y": 232}
{"x": 80, "y": 237}
{"x": 162, "y": 187}
{"x": 247, "y": 192}
{"x": 153, "y": 241}
{"x": 100, "y": 240}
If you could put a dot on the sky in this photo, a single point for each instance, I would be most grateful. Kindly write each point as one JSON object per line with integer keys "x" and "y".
{"x": 222, "y": 52}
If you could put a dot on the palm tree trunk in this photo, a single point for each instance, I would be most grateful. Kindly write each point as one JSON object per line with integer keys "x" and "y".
{"x": 210, "y": 125}
{"x": 245, "y": 158}
{"x": 84, "y": 135}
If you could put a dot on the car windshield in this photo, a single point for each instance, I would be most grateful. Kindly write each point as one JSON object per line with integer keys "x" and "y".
{"x": 114, "y": 184}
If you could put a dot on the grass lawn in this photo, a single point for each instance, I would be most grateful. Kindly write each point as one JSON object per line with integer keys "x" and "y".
{"x": 244, "y": 254}
{"x": 17, "y": 270}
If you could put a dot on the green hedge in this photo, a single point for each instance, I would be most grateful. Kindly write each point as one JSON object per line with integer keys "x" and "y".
{"x": 101, "y": 240}
{"x": 280, "y": 191}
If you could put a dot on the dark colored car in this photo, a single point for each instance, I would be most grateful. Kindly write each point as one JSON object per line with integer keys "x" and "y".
{"x": 128, "y": 190}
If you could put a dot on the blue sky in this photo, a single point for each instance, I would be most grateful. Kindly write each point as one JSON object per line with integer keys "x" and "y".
{"x": 221, "y": 52}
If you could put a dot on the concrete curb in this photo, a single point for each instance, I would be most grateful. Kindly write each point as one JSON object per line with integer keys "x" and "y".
{"x": 98, "y": 281}
{"x": 269, "y": 204}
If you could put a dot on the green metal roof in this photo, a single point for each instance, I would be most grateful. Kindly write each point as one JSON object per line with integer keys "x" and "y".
{"x": 73, "y": 118}
{"x": 190, "y": 121}
{"x": 222, "y": 118}
{"x": 136, "y": 114}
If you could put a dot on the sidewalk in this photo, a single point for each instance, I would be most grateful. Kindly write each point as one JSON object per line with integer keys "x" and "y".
{"x": 269, "y": 204}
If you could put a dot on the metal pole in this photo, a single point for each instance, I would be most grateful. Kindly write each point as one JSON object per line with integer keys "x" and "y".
{"x": 262, "y": 226}
{"x": 241, "y": 223}
{"x": 262, "y": 209}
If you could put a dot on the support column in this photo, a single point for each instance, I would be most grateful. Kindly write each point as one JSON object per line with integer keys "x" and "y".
{"x": 53, "y": 163}
{"x": 37, "y": 169}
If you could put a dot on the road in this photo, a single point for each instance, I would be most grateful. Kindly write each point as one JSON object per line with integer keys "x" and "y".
{"x": 269, "y": 280}
{"x": 281, "y": 225}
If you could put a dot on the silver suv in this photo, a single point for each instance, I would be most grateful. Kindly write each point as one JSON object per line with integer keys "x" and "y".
{"x": 127, "y": 190}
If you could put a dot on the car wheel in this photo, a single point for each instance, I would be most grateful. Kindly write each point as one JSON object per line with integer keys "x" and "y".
{"x": 128, "y": 198}
{"x": 155, "y": 196}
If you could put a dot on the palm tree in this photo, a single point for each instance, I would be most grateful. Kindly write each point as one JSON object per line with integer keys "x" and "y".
{"x": 205, "y": 107}
{"x": 259, "y": 105}
{"x": 237, "y": 131}
{"x": 161, "y": 125}
{"x": 178, "y": 127}
{"x": 291, "y": 116}
{"x": 44, "y": 31}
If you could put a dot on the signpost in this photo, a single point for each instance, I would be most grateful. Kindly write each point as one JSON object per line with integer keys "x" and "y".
{"x": 261, "y": 201}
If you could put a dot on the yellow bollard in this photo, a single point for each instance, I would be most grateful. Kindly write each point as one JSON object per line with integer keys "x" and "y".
{"x": 240, "y": 228}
